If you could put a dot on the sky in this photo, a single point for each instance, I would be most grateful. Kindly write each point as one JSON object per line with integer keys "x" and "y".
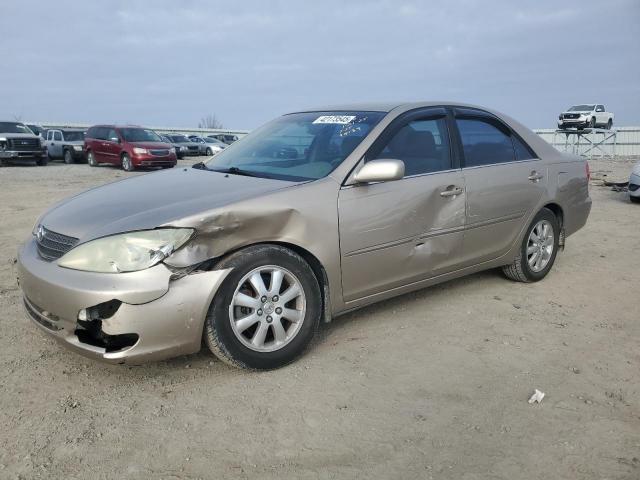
{"x": 170, "y": 63}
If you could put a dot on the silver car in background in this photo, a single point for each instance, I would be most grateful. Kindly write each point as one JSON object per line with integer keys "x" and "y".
{"x": 208, "y": 146}
{"x": 313, "y": 215}
{"x": 634, "y": 184}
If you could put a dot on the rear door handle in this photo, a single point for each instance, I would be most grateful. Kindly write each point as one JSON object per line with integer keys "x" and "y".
{"x": 535, "y": 176}
{"x": 451, "y": 191}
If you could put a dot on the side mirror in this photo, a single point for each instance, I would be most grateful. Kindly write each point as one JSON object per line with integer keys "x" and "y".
{"x": 384, "y": 170}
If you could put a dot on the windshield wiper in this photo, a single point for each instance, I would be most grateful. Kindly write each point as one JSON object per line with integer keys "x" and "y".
{"x": 235, "y": 171}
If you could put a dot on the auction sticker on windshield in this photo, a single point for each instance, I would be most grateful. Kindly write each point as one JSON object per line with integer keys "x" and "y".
{"x": 335, "y": 119}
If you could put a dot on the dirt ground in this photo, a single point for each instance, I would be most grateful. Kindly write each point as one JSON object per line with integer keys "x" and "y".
{"x": 433, "y": 384}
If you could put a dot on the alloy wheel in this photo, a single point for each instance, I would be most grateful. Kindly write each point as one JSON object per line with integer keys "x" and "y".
{"x": 540, "y": 245}
{"x": 267, "y": 308}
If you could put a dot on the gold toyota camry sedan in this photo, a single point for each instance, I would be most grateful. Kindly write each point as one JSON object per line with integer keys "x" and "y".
{"x": 314, "y": 214}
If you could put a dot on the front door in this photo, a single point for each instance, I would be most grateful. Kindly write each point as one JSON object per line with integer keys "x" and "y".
{"x": 399, "y": 232}
{"x": 504, "y": 182}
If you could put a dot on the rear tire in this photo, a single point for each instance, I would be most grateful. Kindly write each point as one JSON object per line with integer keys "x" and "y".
{"x": 609, "y": 124}
{"x": 91, "y": 160}
{"x": 535, "y": 258}
{"x": 238, "y": 345}
{"x": 68, "y": 157}
{"x": 127, "y": 164}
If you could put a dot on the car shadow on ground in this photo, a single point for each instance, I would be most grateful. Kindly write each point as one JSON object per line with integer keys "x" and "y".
{"x": 204, "y": 361}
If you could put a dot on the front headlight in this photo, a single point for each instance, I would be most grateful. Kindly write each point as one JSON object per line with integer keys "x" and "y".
{"x": 77, "y": 148}
{"x": 140, "y": 151}
{"x": 172, "y": 149}
{"x": 182, "y": 149}
{"x": 126, "y": 252}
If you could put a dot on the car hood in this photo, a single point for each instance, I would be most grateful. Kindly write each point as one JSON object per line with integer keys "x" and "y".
{"x": 152, "y": 145}
{"x": 581, "y": 112}
{"x": 151, "y": 200}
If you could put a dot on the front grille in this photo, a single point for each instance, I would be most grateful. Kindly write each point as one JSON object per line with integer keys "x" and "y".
{"x": 194, "y": 149}
{"x": 572, "y": 116}
{"x": 23, "y": 144}
{"x": 159, "y": 153}
{"x": 52, "y": 245}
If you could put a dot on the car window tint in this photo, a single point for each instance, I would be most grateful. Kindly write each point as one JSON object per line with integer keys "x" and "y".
{"x": 57, "y": 136}
{"x": 423, "y": 146}
{"x": 523, "y": 152}
{"x": 484, "y": 143}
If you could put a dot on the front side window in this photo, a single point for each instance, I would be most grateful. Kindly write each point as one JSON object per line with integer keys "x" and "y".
{"x": 139, "y": 135}
{"x": 297, "y": 147}
{"x": 423, "y": 146}
{"x": 484, "y": 143}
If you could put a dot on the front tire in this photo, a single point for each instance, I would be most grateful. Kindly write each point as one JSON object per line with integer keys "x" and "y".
{"x": 91, "y": 160}
{"x": 42, "y": 161}
{"x": 68, "y": 157}
{"x": 634, "y": 199}
{"x": 209, "y": 152}
{"x": 538, "y": 249}
{"x": 592, "y": 122}
{"x": 266, "y": 311}
{"x": 127, "y": 164}
{"x": 609, "y": 124}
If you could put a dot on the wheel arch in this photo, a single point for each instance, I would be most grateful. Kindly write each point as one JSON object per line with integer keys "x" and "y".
{"x": 559, "y": 213}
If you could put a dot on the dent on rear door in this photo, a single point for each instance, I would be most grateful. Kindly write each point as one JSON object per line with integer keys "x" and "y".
{"x": 500, "y": 199}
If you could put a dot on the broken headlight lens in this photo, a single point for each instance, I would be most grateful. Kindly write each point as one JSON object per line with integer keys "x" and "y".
{"x": 126, "y": 252}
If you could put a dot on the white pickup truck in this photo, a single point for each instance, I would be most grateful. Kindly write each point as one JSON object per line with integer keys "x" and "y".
{"x": 592, "y": 115}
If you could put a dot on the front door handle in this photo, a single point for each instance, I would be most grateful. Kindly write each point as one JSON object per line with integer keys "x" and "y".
{"x": 451, "y": 191}
{"x": 535, "y": 176}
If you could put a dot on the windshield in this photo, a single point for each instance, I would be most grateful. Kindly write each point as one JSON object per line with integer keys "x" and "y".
{"x": 179, "y": 138}
{"x": 297, "y": 147}
{"x": 73, "y": 136}
{"x": 581, "y": 108}
{"x": 139, "y": 135}
{"x": 14, "y": 127}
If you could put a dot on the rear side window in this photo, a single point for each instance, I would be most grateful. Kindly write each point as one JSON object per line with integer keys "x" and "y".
{"x": 57, "y": 136}
{"x": 422, "y": 144}
{"x": 523, "y": 152}
{"x": 484, "y": 143}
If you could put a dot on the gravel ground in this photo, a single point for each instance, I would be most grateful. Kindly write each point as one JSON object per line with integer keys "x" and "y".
{"x": 433, "y": 384}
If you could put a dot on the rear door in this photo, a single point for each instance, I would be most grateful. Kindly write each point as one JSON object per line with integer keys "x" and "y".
{"x": 399, "y": 232}
{"x": 504, "y": 182}
{"x": 55, "y": 145}
{"x": 111, "y": 147}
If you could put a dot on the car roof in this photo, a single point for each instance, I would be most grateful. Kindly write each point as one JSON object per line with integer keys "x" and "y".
{"x": 386, "y": 107}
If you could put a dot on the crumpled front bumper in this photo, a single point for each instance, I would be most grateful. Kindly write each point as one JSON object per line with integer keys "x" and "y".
{"x": 166, "y": 314}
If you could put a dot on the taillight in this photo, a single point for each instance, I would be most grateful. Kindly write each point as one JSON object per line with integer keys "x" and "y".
{"x": 588, "y": 170}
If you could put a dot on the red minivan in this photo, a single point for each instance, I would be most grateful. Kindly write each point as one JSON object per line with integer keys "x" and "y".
{"x": 127, "y": 146}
